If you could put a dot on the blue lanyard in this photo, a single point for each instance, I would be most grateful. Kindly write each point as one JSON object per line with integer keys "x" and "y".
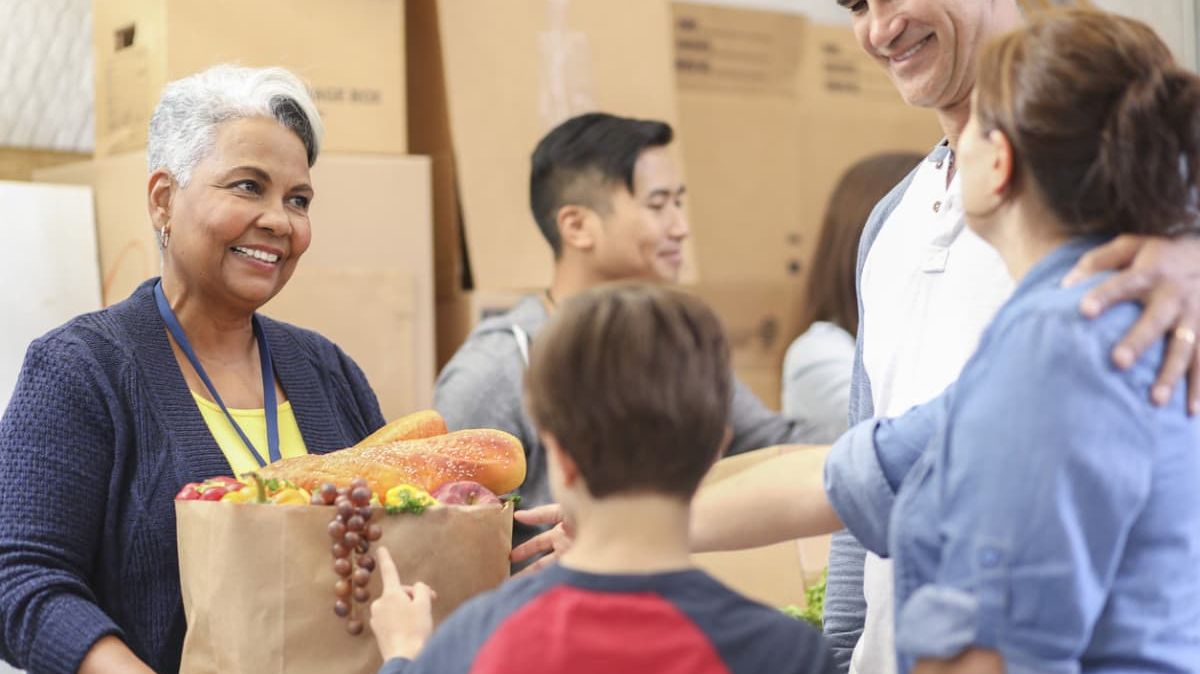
{"x": 268, "y": 377}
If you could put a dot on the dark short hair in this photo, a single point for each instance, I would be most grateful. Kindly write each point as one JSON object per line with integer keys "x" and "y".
{"x": 1102, "y": 120}
{"x": 582, "y": 159}
{"x": 634, "y": 382}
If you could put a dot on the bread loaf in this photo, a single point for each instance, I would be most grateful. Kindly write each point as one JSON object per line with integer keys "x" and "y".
{"x": 423, "y": 424}
{"x": 492, "y": 458}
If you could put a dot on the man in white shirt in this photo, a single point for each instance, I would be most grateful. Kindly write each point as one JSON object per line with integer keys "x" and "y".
{"x": 928, "y": 286}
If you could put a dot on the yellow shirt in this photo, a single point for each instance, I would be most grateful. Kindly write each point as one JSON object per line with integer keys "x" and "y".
{"x": 254, "y": 425}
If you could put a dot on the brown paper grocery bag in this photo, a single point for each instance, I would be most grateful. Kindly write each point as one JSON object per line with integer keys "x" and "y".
{"x": 258, "y": 581}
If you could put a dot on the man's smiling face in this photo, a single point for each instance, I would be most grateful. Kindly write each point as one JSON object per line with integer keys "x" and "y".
{"x": 927, "y": 47}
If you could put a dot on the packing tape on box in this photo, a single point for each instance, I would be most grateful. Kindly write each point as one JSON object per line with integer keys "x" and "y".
{"x": 565, "y": 67}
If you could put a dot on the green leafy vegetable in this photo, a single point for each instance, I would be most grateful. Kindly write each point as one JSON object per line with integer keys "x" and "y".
{"x": 407, "y": 504}
{"x": 814, "y": 608}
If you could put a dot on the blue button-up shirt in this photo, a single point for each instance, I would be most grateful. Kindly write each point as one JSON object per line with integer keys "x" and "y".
{"x": 1041, "y": 506}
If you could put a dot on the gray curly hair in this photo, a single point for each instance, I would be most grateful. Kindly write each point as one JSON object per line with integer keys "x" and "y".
{"x": 183, "y": 128}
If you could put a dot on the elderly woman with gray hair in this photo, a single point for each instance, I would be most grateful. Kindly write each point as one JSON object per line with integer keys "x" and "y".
{"x": 116, "y": 410}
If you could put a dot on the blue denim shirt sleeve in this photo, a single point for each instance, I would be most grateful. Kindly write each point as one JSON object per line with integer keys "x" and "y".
{"x": 857, "y": 488}
{"x": 868, "y": 463}
{"x": 396, "y": 666}
{"x": 1033, "y": 526}
{"x": 900, "y": 442}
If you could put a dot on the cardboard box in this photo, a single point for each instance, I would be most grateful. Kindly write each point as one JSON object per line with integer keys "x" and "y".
{"x": 487, "y": 79}
{"x": 775, "y": 575}
{"x": 19, "y": 163}
{"x": 350, "y": 52}
{"x": 774, "y": 109}
{"x": 128, "y": 250}
{"x": 376, "y": 316}
{"x": 366, "y": 282}
{"x": 759, "y": 320}
{"x": 459, "y": 314}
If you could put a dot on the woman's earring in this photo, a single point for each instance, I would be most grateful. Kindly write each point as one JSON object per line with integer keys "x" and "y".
{"x": 164, "y": 236}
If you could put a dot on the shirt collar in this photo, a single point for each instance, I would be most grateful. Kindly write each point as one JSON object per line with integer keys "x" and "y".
{"x": 940, "y": 152}
{"x": 1055, "y": 265}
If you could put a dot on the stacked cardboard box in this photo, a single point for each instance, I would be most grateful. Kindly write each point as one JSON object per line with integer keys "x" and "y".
{"x": 366, "y": 282}
{"x": 19, "y": 163}
{"x": 351, "y": 52}
{"x": 487, "y": 79}
{"x": 773, "y": 109}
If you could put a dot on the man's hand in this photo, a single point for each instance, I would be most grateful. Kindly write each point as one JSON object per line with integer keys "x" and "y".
{"x": 402, "y": 617}
{"x": 971, "y": 661}
{"x": 553, "y": 543}
{"x": 1164, "y": 276}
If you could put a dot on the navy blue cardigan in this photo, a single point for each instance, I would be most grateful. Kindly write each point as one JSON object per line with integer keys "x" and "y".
{"x": 100, "y": 434}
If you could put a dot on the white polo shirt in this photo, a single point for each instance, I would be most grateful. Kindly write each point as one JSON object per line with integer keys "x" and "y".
{"x": 929, "y": 287}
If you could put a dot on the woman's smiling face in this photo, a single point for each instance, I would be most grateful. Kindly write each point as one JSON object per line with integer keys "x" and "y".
{"x": 241, "y": 223}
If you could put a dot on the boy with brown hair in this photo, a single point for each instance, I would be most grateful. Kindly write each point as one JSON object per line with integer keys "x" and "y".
{"x": 629, "y": 386}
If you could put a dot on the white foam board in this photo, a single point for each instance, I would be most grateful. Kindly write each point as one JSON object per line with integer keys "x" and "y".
{"x": 49, "y": 270}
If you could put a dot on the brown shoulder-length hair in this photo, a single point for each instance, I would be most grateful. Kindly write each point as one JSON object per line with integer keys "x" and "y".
{"x": 634, "y": 381}
{"x": 830, "y": 294}
{"x": 1103, "y": 122}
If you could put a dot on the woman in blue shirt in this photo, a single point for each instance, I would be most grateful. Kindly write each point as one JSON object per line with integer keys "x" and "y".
{"x": 1046, "y": 516}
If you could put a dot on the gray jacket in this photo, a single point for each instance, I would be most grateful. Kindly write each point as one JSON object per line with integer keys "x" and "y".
{"x": 481, "y": 387}
{"x": 845, "y": 605}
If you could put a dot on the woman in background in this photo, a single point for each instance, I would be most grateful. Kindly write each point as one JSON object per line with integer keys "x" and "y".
{"x": 816, "y": 369}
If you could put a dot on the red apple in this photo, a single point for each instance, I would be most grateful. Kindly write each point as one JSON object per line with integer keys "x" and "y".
{"x": 190, "y": 492}
{"x": 213, "y": 494}
{"x": 225, "y": 481}
{"x": 464, "y": 492}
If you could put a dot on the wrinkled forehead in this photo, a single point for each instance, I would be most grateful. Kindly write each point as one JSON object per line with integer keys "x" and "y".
{"x": 261, "y": 142}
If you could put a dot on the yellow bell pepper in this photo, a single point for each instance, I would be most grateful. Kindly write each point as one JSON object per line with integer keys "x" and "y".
{"x": 291, "y": 496}
{"x": 407, "y": 498}
{"x": 243, "y": 495}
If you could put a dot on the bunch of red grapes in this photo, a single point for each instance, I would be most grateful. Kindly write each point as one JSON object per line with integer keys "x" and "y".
{"x": 352, "y": 534}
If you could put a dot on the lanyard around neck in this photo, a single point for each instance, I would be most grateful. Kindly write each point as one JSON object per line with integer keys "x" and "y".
{"x": 268, "y": 377}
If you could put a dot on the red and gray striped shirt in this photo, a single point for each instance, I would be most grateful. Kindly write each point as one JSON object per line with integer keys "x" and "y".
{"x": 561, "y": 620}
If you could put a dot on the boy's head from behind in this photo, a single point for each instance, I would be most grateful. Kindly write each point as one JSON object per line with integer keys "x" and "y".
{"x": 632, "y": 383}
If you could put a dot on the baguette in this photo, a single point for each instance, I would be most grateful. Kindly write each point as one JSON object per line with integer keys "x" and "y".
{"x": 492, "y": 458}
{"x": 423, "y": 424}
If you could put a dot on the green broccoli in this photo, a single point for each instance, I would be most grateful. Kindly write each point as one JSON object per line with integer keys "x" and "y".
{"x": 814, "y": 608}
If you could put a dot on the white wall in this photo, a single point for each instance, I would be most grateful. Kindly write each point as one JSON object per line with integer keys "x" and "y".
{"x": 1175, "y": 21}
{"x": 825, "y": 11}
{"x": 49, "y": 271}
{"x": 46, "y": 74}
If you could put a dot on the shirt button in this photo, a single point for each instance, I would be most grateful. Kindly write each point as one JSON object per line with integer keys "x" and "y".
{"x": 937, "y": 206}
{"x": 938, "y": 166}
{"x": 989, "y": 557}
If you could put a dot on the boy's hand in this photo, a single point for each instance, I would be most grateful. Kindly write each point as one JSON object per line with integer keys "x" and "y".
{"x": 554, "y": 542}
{"x": 1164, "y": 276}
{"x": 402, "y": 617}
